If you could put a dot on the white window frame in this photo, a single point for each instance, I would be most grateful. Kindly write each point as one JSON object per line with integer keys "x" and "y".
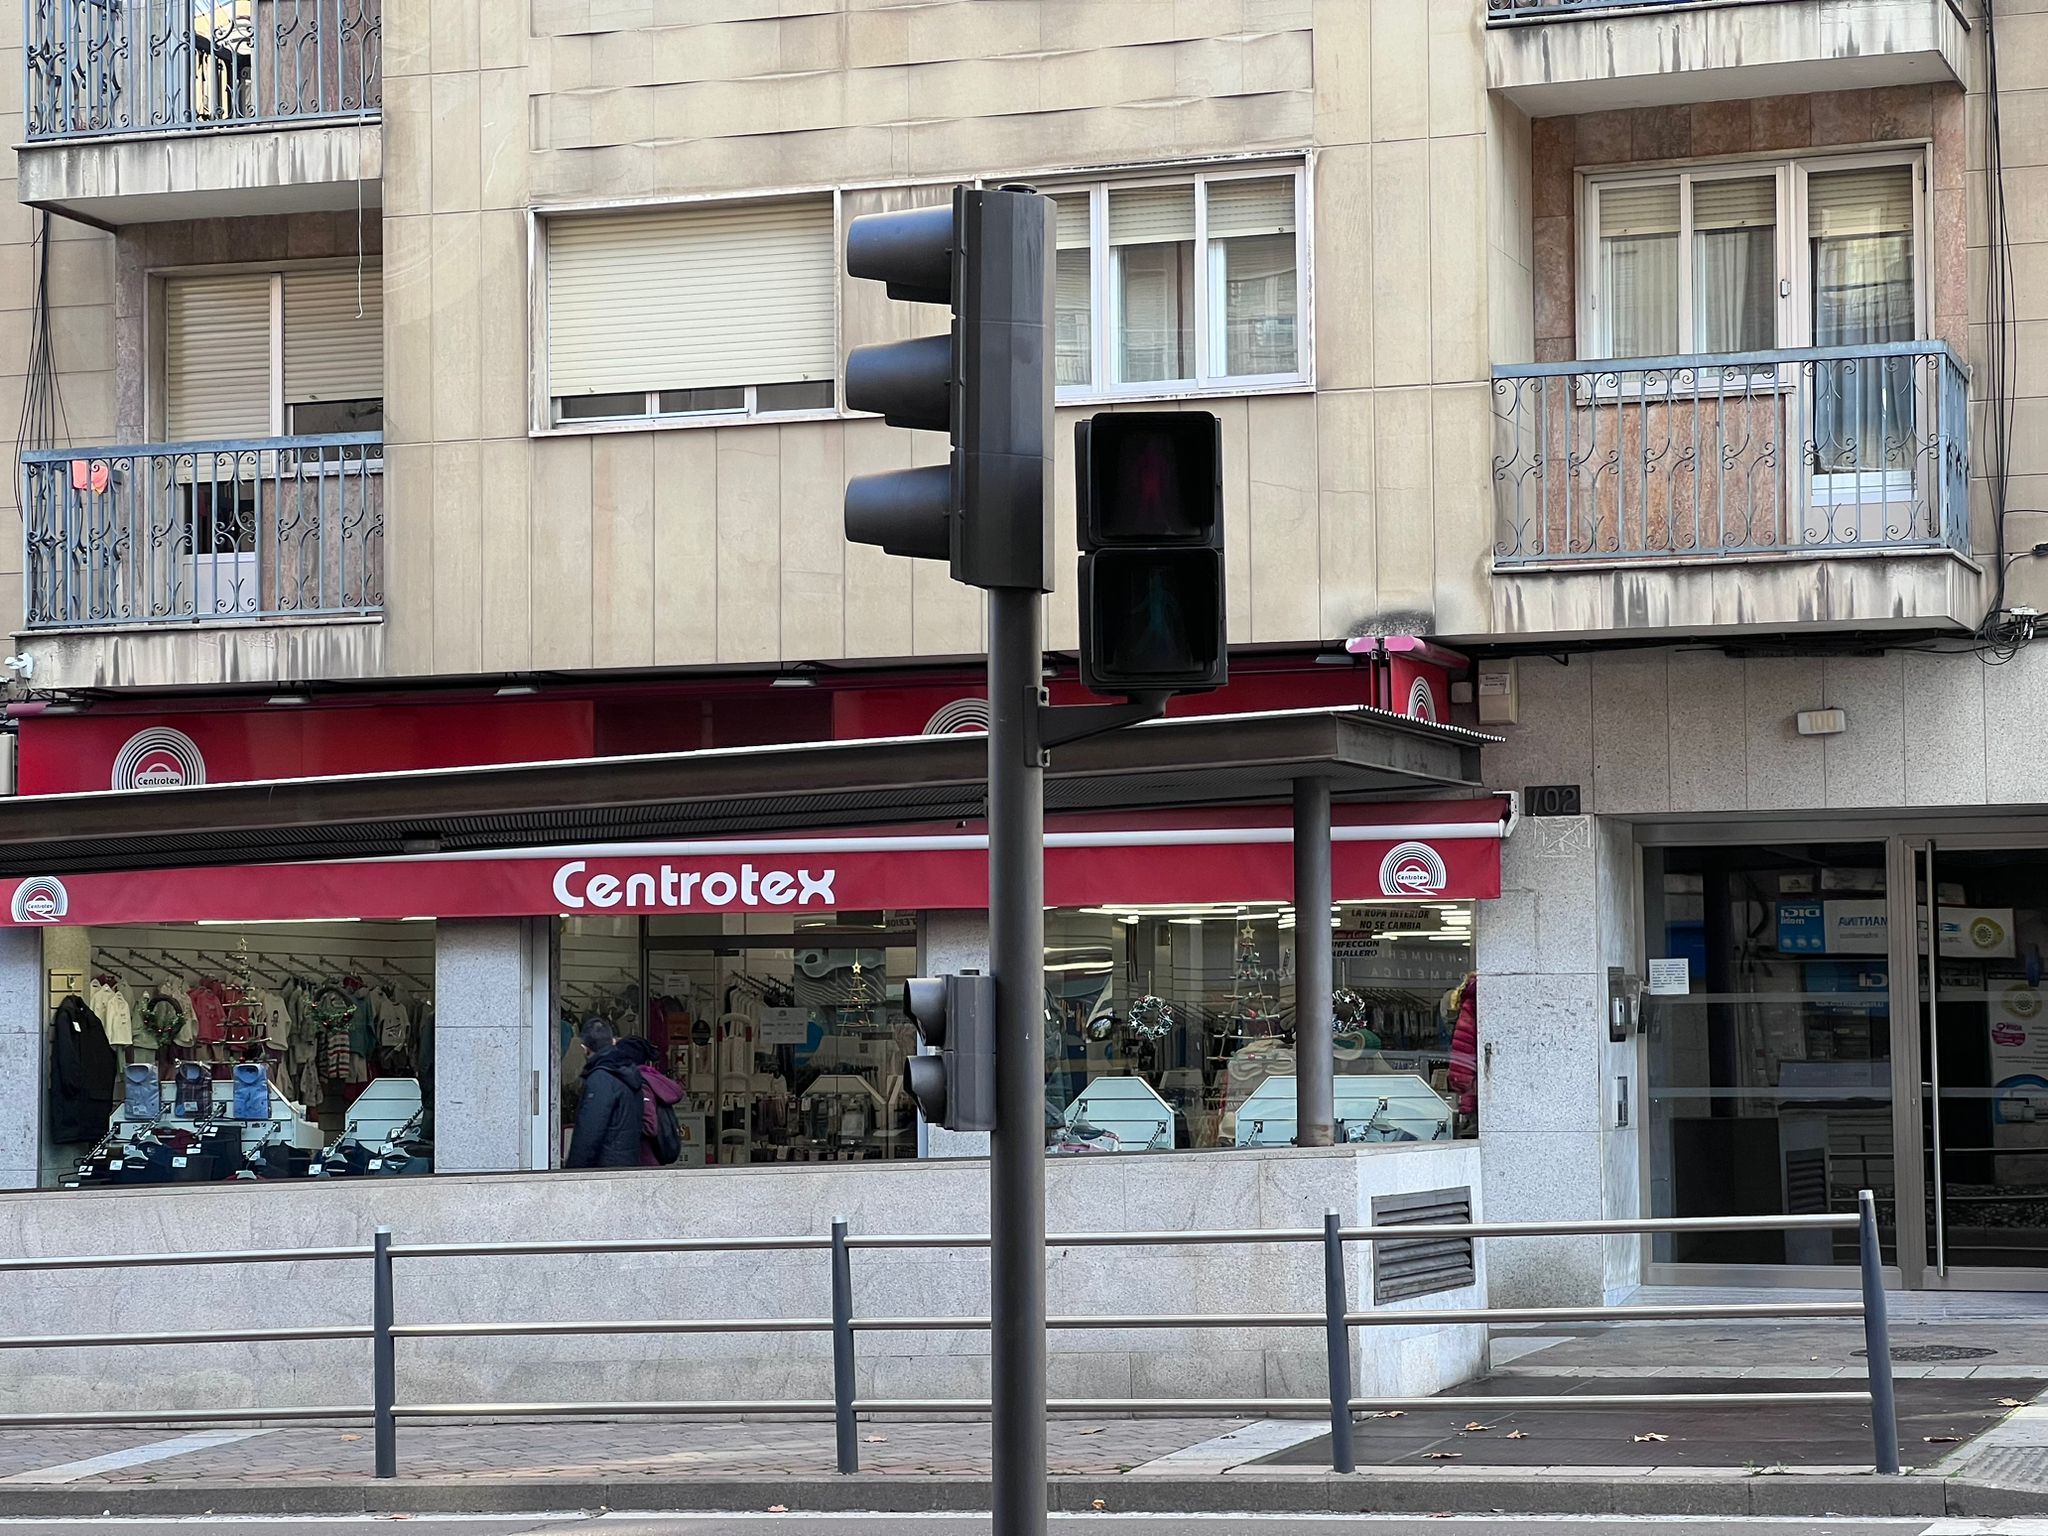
{"x": 1794, "y": 327}
{"x": 1104, "y": 317}
{"x": 155, "y": 385}
{"x": 546, "y": 420}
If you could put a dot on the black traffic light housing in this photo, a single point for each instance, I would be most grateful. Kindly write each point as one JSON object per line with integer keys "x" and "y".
{"x": 1149, "y": 491}
{"x": 986, "y": 383}
{"x": 956, "y": 1015}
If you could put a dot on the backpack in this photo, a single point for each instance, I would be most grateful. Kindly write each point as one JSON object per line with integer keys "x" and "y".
{"x": 663, "y": 1136}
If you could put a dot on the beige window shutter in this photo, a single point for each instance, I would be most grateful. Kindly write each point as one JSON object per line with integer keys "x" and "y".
{"x": 1632, "y": 210}
{"x": 217, "y": 357}
{"x": 330, "y": 353}
{"x": 702, "y": 297}
{"x": 1261, "y": 206}
{"x": 1872, "y": 200}
{"x": 1151, "y": 215}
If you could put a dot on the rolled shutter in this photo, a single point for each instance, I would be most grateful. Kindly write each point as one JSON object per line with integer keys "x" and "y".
{"x": 1151, "y": 215}
{"x": 217, "y": 357}
{"x": 1264, "y": 206}
{"x": 330, "y": 353}
{"x": 1071, "y": 222}
{"x": 1748, "y": 203}
{"x": 703, "y": 297}
{"x": 1877, "y": 200}
{"x": 1629, "y": 211}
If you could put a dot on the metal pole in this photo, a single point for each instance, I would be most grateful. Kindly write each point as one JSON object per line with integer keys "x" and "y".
{"x": 1877, "y": 1341}
{"x": 1336, "y": 1306}
{"x": 842, "y": 1350}
{"x": 1315, "y": 1103}
{"x": 383, "y": 1355}
{"x": 1016, "y": 909}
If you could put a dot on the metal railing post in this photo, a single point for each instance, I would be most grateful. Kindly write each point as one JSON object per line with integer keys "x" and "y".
{"x": 1336, "y": 1305}
{"x": 383, "y": 1356}
{"x": 842, "y": 1351}
{"x": 1877, "y": 1340}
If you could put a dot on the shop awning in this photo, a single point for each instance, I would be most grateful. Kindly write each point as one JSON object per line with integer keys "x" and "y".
{"x": 1209, "y": 763}
{"x": 1410, "y": 851}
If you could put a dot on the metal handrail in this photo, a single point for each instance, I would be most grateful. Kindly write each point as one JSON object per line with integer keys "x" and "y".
{"x": 1337, "y": 1318}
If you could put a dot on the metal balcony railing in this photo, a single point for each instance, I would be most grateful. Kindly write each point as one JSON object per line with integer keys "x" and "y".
{"x": 1558, "y": 10}
{"x": 220, "y": 532}
{"x": 170, "y": 66}
{"x": 1822, "y": 450}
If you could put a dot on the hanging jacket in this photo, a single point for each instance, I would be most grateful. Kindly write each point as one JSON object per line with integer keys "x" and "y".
{"x": 608, "y": 1119}
{"x": 82, "y": 1070}
{"x": 1464, "y": 1073}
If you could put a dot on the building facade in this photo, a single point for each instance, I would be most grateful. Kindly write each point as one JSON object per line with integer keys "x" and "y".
{"x": 406, "y": 387}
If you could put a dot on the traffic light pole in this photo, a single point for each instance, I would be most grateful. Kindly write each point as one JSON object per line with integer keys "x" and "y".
{"x": 1016, "y": 906}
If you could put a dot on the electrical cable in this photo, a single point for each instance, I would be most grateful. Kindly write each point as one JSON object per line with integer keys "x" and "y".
{"x": 2003, "y": 633}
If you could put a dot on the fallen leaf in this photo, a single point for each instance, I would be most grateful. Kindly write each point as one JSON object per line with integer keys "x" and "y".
{"x": 1100, "y": 1504}
{"x": 1518, "y": 1434}
{"x": 1476, "y": 1428}
{"x": 1444, "y": 1456}
{"x": 877, "y": 1440}
{"x": 1098, "y": 1429}
{"x": 1943, "y": 1439}
{"x": 2012, "y": 1402}
{"x": 1652, "y": 1435}
{"x": 351, "y": 1437}
{"x": 778, "y": 1509}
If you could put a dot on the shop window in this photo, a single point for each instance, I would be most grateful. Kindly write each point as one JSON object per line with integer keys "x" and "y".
{"x": 1200, "y": 285}
{"x": 200, "y": 1053}
{"x": 786, "y": 1036}
{"x": 1171, "y": 1028}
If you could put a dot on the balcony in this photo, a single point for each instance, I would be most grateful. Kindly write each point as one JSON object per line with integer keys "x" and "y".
{"x": 287, "y": 529}
{"x": 1557, "y": 56}
{"x": 140, "y": 110}
{"x": 1623, "y": 490}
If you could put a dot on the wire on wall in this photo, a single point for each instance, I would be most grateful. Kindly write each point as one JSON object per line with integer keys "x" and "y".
{"x": 42, "y": 403}
{"x": 2002, "y": 632}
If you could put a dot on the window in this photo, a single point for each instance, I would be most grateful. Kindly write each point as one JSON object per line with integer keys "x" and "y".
{"x": 271, "y": 354}
{"x": 1746, "y": 258}
{"x": 1199, "y": 285}
{"x": 703, "y": 311}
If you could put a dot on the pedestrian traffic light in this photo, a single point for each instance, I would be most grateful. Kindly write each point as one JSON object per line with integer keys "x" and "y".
{"x": 956, "y": 1015}
{"x": 1149, "y": 486}
{"x": 987, "y": 384}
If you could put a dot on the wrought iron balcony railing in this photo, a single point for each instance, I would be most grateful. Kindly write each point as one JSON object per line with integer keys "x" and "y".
{"x": 99, "y": 67}
{"x": 1559, "y": 10}
{"x": 204, "y": 533}
{"x": 1793, "y": 452}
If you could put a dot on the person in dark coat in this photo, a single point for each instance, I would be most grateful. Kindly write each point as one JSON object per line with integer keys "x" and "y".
{"x": 608, "y": 1118}
{"x": 82, "y": 1071}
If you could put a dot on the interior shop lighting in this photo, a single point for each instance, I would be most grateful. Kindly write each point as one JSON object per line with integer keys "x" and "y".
{"x": 517, "y": 691}
{"x": 284, "y": 699}
{"x": 266, "y": 922}
{"x": 1082, "y": 965}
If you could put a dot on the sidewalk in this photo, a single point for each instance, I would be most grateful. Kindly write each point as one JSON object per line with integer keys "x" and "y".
{"x": 1970, "y": 1447}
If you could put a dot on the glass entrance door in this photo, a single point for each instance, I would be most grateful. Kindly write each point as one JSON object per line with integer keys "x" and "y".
{"x": 1981, "y": 911}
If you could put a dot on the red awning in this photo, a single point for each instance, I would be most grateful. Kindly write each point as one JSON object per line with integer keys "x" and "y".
{"x": 1422, "y": 850}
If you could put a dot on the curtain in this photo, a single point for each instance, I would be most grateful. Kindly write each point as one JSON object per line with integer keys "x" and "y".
{"x": 1863, "y": 408}
{"x": 1641, "y": 285}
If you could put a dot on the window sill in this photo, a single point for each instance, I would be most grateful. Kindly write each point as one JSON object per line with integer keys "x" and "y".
{"x": 683, "y": 423}
{"x": 1234, "y": 390}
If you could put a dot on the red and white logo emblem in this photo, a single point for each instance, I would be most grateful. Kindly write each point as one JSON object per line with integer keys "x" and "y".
{"x": 1413, "y": 869}
{"x": 41, "y": 900}
{"x": 159, "y": 758}
{"x": 1421, "y": 701}
{"x": 959, "y": 718}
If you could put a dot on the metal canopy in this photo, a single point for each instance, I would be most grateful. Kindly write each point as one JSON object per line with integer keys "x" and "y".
{"x": 1200, "y": 760}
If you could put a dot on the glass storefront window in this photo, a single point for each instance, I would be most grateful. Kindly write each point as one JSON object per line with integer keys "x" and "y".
{"x": 1170, "y": 1028}
{"x": 192, "y": 1053}
{"x": 1770, "y": 1079}
{"x": 785, "y": 1035}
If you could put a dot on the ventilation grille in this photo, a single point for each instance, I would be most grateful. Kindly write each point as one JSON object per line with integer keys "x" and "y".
{"x": 1426, "y": 1265}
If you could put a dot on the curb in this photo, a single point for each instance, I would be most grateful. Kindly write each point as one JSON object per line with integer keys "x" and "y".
{"x": 1463, "y": 1493}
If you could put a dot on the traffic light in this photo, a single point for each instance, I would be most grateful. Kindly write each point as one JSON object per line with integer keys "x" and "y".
{"x": 956, "y": 1015}
{"x": 1149, "y": 486}
{"x": 988, "y": 384}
